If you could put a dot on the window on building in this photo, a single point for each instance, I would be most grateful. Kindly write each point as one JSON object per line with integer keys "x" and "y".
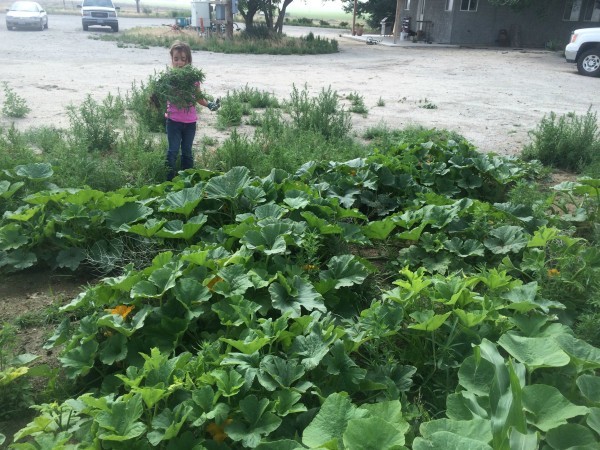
{"x": 407, "y": 4}
{"x": 592, "y": 11}
{"x": 572, "y": 10}
{"x": 468, "y": 5}
{"x": 450, "y": 4}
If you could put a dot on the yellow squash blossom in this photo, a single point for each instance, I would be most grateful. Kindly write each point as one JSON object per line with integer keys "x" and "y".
{"x": 121, "y": 310}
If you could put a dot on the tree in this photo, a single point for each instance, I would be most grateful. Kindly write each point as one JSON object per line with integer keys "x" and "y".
{"x": 372, "y": 11}
{"x": 137, "y": 6}
{"x": 270, "y": 8}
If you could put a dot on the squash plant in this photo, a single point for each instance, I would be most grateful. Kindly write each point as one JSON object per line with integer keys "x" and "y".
{"x": 253, "y": 324}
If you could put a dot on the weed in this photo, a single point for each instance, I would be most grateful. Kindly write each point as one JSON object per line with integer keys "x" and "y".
{"x": 14, "y": 105}
{"x": 14, "y": 149}
{"x": 380, "y": 102}
{"x": 254, "y": 120}
{"x": 426, "y": 104}
{"x": 255, "y": 98}
{"x": 150, "y": 114}
{"x": 357, "y": 103}
{"x": 231, "y": 112}
{"x": 209, "y": 141}
{"x": 255, "y": 40}
{"x": 570, "y": 142}
{"x": 93, "y": 124}
{"x": 322, "y": 114}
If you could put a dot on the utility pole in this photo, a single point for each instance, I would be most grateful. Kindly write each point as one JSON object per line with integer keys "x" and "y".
{"x": 397, "y": 24}
{"x": 228, "y": 20}
{"x": 354, "y": 19}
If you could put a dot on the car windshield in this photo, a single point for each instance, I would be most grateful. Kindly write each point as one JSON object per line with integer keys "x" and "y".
{"x": 103, "y": 3}
{"x": 24, "y": 6}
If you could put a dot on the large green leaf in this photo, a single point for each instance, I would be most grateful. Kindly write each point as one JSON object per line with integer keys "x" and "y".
{"x": 521, "y": 441}
{"x": 79, "y": 360}
{"x": 478, "y": 429}
{"x": 35, "y": 171}
{"x": 593, "y": 420}
{"x": 345, "y": 270}
{"x": 347, "y": 374}
{"x": 8, "y": 189}
{"x": 548, "y": 408}
{"x": 589, "y": 385}
{"x": 331, "y": 421}
{"x": 258, "y": 422}
{"x": 70, "y": 258}
{"x": 506, "y": 239}
{"x": 167, "y": 424}
{"x": 372, "y": 433}
{"x": 177, "y": 229}
{"x": 476, "y": 375}
{"x": 229, "y": 382}
{"x": 229, "y": 185}
{"x": 19, "y": 259}
{"x": 127, "y": 214}
{"x": 235, "y": 310}
{"x": 427, "y": 320}
{"x": 12, "y": 236}
{"x": 572, "y": 436}
{"x": 534, "y": 352}
{"x": 290, "y": 296}
{"x": 277, "y": 373}
{"x": 269, "y": 239}
{"x": 444, "y": 440}
{"x": 183, "y": 201}
{"x": 121, "y": 422}
{"x": 584, "y": 355}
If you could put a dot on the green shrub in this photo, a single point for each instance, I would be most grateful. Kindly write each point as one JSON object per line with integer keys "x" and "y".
{"x": 357, "y": 103}
{"x": 14, "y": 149}
{"x": 231, "y": 112}
{"x": 255, "y": 98}
{"x": 321, "y": 114}
{"x": 569, "y": 142}
{"x": 256, "y": 40}
{"x": 14, "y": 105}
{"x": 93, "y": 124}
{"x": 144, "y": 111}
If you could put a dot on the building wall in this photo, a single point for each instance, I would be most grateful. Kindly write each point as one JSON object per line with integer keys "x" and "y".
{"x": 530, "y": 28}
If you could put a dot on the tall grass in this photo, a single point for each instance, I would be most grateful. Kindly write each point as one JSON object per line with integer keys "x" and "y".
{"x": 569, "y": 142}
{"x": 246, "y": 42}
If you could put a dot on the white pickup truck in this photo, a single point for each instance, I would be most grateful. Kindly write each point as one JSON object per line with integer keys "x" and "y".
{"x": 584, "y": 49}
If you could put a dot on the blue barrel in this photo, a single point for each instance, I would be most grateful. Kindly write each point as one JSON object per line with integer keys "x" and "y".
{"x": 181, "y": 21}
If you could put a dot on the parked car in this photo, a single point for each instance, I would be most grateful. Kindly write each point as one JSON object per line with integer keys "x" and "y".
{"x": 26, "y": 14}
{"x": 584, "y": 50}
{"x": 99, "y": 13}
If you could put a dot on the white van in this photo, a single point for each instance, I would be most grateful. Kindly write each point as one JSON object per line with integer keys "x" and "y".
{"x": 99, "y": 13}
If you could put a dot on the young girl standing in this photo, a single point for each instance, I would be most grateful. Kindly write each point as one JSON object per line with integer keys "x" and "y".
{"x": 181, "y": 122}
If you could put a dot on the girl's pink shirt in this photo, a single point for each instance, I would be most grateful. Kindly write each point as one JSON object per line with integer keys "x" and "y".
{"x": 182, "y": 115}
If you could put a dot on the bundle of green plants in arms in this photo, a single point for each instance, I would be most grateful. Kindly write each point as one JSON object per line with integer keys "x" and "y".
{"x": 177, "y": 85}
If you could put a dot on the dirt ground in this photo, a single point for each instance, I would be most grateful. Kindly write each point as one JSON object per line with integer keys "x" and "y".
{"x": 492, "y": 96}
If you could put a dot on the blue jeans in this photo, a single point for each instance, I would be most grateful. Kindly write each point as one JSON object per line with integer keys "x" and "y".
{"x": 179, "y": 135}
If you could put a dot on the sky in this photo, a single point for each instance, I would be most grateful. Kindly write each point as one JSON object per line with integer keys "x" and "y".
{"x": 297, "y": 5}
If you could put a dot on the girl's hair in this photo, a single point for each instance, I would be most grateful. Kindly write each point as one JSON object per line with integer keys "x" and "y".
{"x": 183, "y": 47}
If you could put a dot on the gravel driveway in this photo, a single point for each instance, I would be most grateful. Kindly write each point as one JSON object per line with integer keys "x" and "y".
{"x": 492, "y": 96}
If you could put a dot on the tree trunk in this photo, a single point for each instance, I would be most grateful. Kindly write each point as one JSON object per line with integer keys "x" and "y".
{"x": 281, "y": 18}
{"x": 137, "y": 6}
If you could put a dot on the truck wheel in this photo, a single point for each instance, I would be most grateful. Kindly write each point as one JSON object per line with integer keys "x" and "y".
{"x": 115, "y": 28}
{"x": 589, "y": 63}
{"x": 85, "y": 28}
